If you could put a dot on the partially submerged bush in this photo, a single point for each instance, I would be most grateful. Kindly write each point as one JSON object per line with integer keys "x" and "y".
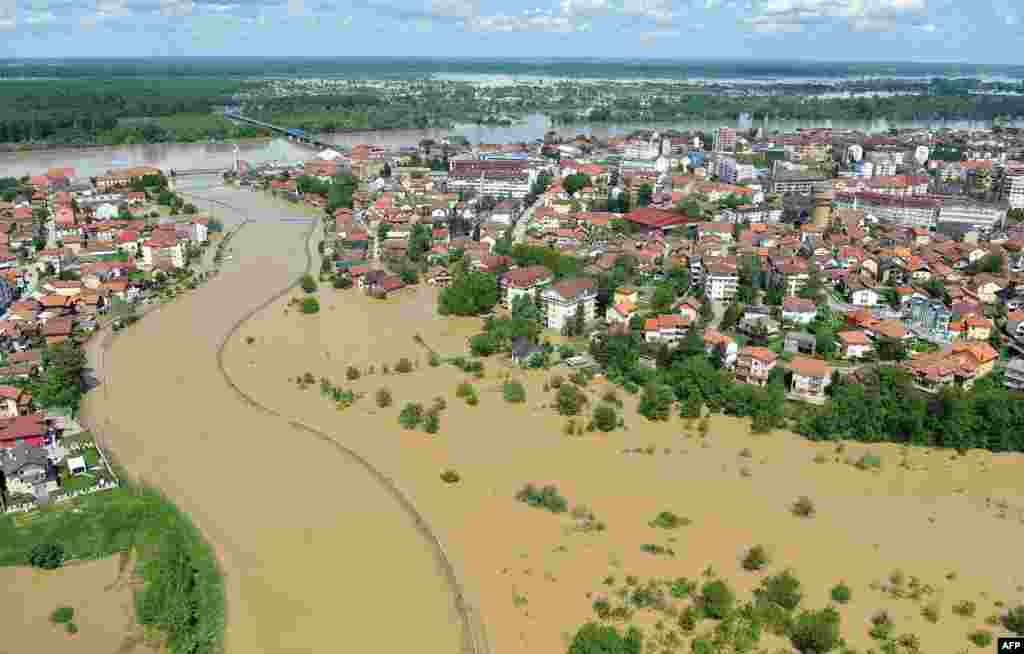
{"x": 48, "y": 556}
{"x": 569, "y": 400}
{"x": 308, "y": 283}
{"x": 841, "y": 593}
{"x": 816, "y": 632}
{"x": 756, "y": 558}
{"x": 383, "y": 398}
{"x": 403, "y": 366}
{"x": 514, "y": 391}
{"x": 465, "y": 391}
{"x": 803, "y": 507}
{"x": 605, "y": 418}
{"x": 980, "y": 637}
{"x": 543, "y": 498}
{"x": 411, "y": 415}
{"x": 62, "y": 615}
{"x": 352, "y": 373}
{"x": 717, "y": 599}
{"x": 782, "y": 589}
{"x": 965, "y": 609}
{"x": 669, "y": 520}
{"x": 310, "y": 305}
{"x": 450, "y": 477}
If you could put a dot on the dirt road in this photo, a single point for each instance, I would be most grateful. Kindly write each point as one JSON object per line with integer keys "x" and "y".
{"x": 317, "y": 555}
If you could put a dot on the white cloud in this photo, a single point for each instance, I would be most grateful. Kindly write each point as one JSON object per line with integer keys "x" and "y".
{"x": 660, "y": 11}
{"x": 8, "y": 15}
{"x": 504, "y": 23}
{"x": 176, "y": 7}
{"x": 928, "y": 27}
{"x": 452, "y": 8}
{"x": 774, "y": 16}
{"x": 40, "y": 18}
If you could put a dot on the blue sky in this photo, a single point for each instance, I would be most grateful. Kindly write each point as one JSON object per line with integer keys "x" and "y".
{"x": 986, "y": 31}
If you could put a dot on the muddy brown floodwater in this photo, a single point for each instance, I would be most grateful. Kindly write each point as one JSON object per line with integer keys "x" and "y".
{"x": 953, "y": 522}
{"x": 318, "y": 556}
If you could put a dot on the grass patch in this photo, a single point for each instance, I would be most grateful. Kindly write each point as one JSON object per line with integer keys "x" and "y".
{"x": 182, "y": 594}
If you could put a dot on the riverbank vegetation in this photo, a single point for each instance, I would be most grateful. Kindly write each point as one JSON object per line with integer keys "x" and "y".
{"x": 181, "y": 594}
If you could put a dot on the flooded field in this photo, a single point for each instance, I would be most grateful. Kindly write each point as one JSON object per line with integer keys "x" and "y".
{"x": 947, "y": 525}
{"x": 315, "y": 552}
{"x": 98, "y": 591}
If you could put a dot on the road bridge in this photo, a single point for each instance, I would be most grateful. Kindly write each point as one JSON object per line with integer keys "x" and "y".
{"x": 293, "y": 134}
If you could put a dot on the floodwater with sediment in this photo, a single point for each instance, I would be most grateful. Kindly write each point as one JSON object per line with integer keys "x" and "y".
{"x": 325, "y": 517}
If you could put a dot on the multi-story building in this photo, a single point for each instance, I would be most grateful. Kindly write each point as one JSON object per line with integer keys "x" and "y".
{"x": 524, "y": 281}
{"x": 906, "y": 211}
{"x": 795, "y": 181}
{"x": 1015, "y": 375}
{"x": 791, "y": 274}
{"x": 501, "y": 178}
{"x": 1013, "y": 184}
{"x": 754, "y": 365}
{"x": 562, "y": 301}
{"x": 725, "y": 139}
{"x": 124, "y": 177}
{"x": 930, "y": 318}
{"x": 721, "y": 280}
{"x": 810, "y": 379}
{"x": 163, "y": 247}
{"x": 726, "y": 170}
{"x": 960, "y": 215}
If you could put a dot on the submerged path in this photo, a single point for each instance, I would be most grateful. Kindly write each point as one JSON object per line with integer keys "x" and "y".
{"x": 320, "y": 553}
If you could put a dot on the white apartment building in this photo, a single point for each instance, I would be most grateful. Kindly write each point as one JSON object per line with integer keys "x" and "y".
{"x": 721, "y": 281}
{"x": 1013, "y": 184}
{"x": 561, "y": 301}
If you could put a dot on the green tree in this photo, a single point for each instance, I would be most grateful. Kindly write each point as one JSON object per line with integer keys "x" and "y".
{"x": 656, "y": 402}
{"x": 816, "y": 632}
{"x": 308, "y": 283}
{"x": 782, "y": 589}
{"x": 644, "y": 195}
{"x": 470, "y": 294}
{"x": 310, "y": 305}
{"x": 594, "y": 638}
{"x": 569, "y": 400}
{"x": 717, "y": 599}
{"x": 605, "y": 417}
{"x": 731, "y": 318}
{"x": 61, "y": 384}
{"x": 663, "y": 298}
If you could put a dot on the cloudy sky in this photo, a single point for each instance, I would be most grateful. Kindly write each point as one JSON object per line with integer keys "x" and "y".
{"x": 985, "y": 31}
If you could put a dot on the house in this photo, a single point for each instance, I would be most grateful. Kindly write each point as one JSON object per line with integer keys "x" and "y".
{"x": 721, "y": 345}
{"x": 563, "y": 300}
{"x": 863, "y": 296}
{"x": 28, "y": 471}
{"x": 1015, "y": 324}
{"x": 667, "y": 328}
{"x": 721, "y": 281}
{"x": 854, "y": 344}
{"x": 962, "y": 365}
{"x": 619, "y": 314}
{"x": 689, "y": 308}
{"x": 978, "y": 328}
{"x": 523, "y": 348}
{"x": 758, "y": 324}
{"x": 525, "y": 281}
{"x": 31, "y": 429}
{"x": 57, "y": 330}
{"x": 754, "y": 365}
{"x": 1014, "y": 372}
{"x": 810, "y": 378}
{"x": 626, "y": 294}
{"x": 798, "y": 311}
{"x": 163, "y": 247}
{"x": 800, "y": 343}
{"x": 14, "y": 401}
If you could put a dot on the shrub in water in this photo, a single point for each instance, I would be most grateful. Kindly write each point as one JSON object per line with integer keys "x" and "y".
{"x": 383, "y": 398}
{"x": 543, "y": 498}
{"x": 62, "y": 615}
{"x": 841, "y": 593}
{"x": 352, "y": 373}
{"x": 782, "y": 589}
{"x": 869, "y": 462}
{"x": 450, "y": 477}
{"x": 717, "y": 599}
{"x": 48, "y": 556}
{"x": 605, "y": 418}
{"x": 815, "y": 632}
{"x": 1014, "y": 620}
{"x": 433, "y": 360}
{"x": 965, "y": 609}
{"x": 513, "y": 391}
{"x": 569, "y": 400}
{"x": 432, "y": 422}
{"x": 669, "y": 520}
{"x": 310, "y": 305}
{"x": 803, "y": 507}
{"x": 980, "y": 637}
{"x": 308, "y": 283}
{"x": 411, "y": 415}
{"x": 756, "y": 558}
{"x": 403, "y": 366}
{"x": 556, "y": 381}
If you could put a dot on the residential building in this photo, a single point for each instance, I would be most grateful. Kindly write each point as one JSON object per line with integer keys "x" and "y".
{"x": 28, "y": 471}
{"x": 524, "y": 281}
{"x": 800, "y": 343}
{"x": 163, "y": 248}
{"x": 667, "y": 328}
{"x": 895, "y": 210}
{"x": 499, "y": 178}
{"x": 795, "y": 181}
{"x": 1013, "y": 184}
{"x": 725, "y": 139}
{"x": 754, "y": 365}
{"x": 722, "y": 346}
{"x": 721, "y": 281}
{"x": 124, "y": 177}
{"x": 810, "y": 378}
{"x": 1014, "y": 372}
{"x": 961, "y": 365}
{"x": 14, "y": 401}
{"x": 620, "y": 314}
{"x": 854, "y": 344}
{"x": 562, "y": 301}
{"x": 958, "y": 216}
{"x": 798, "y": 311}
